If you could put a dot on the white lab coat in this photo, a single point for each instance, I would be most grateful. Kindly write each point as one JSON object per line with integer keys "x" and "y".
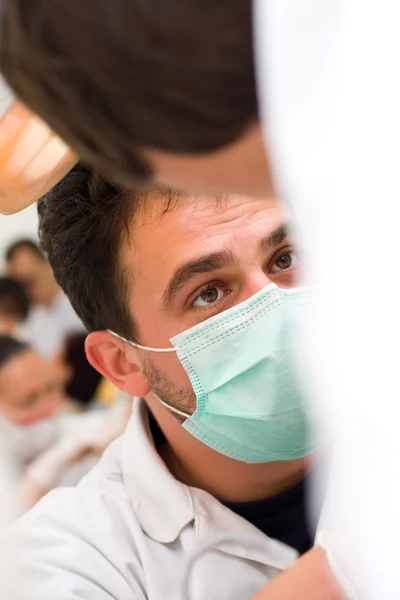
{"x": 128, "y": 529}
{"x": 63, "y": 426}
{"x": 56, "y": 455}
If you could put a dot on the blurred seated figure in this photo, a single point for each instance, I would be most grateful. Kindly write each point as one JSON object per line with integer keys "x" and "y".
{"x": 22, "y": 321}
{"x": 14, "y": 307}
{"x": 83, "y": 380}
{"x": 46, "y": 445}
{"x": 54, "y": 317}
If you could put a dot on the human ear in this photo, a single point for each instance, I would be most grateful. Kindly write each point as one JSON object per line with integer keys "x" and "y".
{"x": 118, "y": 362}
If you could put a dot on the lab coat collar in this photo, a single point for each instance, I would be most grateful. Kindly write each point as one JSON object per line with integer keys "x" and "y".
{"x": 248, "y": 542}
{"x": 164, "y": 506}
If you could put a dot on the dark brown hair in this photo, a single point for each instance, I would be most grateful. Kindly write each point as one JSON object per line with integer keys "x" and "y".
{"x": 83, "y": 223}
{"x": 112, "y": 76}
{"x": 10, "y": 347}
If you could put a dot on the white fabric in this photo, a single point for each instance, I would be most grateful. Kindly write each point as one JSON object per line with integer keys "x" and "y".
{"x": 46, "y": 328}
{"x": 327, "y": 539}
{"x": 129, "y": 528}
{"x": 7, "y": 485}
{"x": 83, "y": 438}
{"x": 329, "y": 88}
{"x": 29, "y": 331}
{"x": 54, "y": 460}
{"x": 67, "y": 461}
{"x": 28, "y": 441}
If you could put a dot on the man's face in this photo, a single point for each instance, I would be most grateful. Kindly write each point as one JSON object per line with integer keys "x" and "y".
{"x": 30, "y": 389}
{"x": 192, "y": 263}
{"x": 35, "y": 275}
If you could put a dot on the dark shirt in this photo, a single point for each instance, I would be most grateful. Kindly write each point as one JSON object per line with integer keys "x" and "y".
{"x": 283, "y": 517}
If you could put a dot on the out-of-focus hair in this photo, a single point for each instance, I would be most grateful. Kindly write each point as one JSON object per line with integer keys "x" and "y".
{"x": 114, "y": 76}
{"x": 14, "y": 300}
{"x": 83, "y": 222}
{"x": 10, "y": 347}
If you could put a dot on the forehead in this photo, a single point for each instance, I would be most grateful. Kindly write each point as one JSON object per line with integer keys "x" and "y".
{"x": 161, "y": 240}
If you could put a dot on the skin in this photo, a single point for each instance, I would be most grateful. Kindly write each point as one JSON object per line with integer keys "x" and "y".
{"x": 35, "y": 274}
{"x": 191, "y": 230}
{"x": 30, "y": 389}
{"x": 309, "y": 579}
{"x": 8, "y": 322}
{"x": 241, "y": 168}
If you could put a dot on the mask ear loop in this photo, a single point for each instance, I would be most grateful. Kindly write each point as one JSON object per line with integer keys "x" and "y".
{"x": 172, "y": 408}
{"x": 148, "y": 348}
{"x": 175, "y": 410}
{"x": 213, "y": 544}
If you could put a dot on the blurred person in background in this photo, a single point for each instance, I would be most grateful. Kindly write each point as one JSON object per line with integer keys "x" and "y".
{"x": 83, "y": 380}
{"x": 14, "y": 308}
{"x": 18, "y": 320}
{"x": 21, "y": 320}
{"x": 46, "y": 444}
{"x": 54, "y": 318}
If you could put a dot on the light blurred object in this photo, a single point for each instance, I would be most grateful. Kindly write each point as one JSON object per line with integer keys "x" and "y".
{"x": 330, "y": 92}
{"x": 32, "y": 158}
{"x": 106, "y": 393}
{"x": 8, "y": 577}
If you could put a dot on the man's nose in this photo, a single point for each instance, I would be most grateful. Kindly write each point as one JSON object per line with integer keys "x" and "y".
{"x": 255, "y": 282}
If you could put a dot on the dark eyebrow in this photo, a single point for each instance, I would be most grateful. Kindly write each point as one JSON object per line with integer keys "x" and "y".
{"x": 276, "y": 237}
{"x": 203, "y": 264}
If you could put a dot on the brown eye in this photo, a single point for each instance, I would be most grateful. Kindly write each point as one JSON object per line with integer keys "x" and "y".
{"x": 284, "y": 261}
{"x": 209, "y": 296}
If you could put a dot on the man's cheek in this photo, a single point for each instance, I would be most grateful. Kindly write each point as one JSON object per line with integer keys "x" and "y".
{"x": 169, "y": 367}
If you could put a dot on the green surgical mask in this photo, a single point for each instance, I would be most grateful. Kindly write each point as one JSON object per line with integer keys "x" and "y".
{"x": 241, "y": 364}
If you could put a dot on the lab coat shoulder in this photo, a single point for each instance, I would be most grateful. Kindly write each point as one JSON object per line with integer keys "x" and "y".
{"x": 66, "y": 546}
